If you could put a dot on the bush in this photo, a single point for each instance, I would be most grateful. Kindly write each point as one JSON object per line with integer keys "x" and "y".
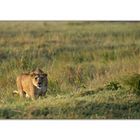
{"x": 113, "y": 85}
{"x": 133, "y": 82}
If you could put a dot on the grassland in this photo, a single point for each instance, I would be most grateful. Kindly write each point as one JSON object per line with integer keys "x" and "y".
{"x": 93, "y": 69}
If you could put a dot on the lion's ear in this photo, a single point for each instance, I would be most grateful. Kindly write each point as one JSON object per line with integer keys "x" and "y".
{"x": 32, "y": 74}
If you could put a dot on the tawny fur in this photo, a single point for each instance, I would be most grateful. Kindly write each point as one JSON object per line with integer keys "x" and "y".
{"x": 32, "y": 84}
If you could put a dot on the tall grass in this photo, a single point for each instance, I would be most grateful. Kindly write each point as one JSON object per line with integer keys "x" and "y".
{"x": 81, "y": 58}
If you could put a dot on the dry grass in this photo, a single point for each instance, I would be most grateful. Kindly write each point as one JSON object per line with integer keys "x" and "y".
{"x": 81, "y": 58}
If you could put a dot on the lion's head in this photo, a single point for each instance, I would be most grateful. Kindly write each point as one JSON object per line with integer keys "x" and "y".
{"x": 39, "y": 78}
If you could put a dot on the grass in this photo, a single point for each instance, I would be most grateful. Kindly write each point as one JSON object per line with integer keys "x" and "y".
{"x": 93, "y": 69}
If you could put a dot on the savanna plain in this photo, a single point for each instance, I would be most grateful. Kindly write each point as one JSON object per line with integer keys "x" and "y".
{"x": 93, "y": 69}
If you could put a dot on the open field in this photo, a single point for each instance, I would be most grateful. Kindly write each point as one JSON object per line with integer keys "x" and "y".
{"x": 93, "y": 69}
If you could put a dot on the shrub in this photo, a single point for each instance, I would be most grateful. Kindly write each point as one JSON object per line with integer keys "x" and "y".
{"x": 113, "y": 85}
{"x": 133, "y": 82}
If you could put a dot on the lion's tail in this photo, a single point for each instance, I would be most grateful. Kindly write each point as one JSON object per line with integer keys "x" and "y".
{"x": 15, "y": 92}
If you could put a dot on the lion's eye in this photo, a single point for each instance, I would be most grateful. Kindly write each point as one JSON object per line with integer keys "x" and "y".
{"x": 35, "y": 78}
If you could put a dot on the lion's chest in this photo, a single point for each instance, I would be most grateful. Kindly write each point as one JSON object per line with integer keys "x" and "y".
{"x": 40, "y": 91}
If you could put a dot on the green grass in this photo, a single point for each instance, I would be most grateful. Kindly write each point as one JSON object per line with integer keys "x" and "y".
{"x": 93, "y": 69}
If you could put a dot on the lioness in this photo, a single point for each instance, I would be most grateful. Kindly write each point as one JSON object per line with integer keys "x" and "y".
{"x": 33, "y": 84}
